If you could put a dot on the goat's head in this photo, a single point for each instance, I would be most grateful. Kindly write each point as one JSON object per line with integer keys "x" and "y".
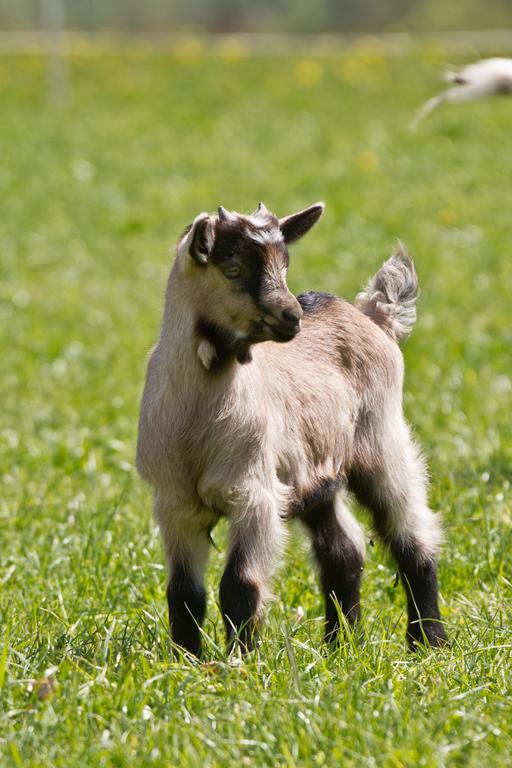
{"x": 235, "y": 266}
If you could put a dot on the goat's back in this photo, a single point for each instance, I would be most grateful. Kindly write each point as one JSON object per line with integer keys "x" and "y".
{"x": 336, "y": 334}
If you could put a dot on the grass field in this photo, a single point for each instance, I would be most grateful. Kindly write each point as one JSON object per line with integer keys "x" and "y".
{"x": 92, "y": 194}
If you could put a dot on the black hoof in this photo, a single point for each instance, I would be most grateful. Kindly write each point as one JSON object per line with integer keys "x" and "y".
{"x": 426, "y": 633}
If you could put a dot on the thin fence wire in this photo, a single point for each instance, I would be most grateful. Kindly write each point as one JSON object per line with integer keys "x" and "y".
{"x": 57, "y": 40}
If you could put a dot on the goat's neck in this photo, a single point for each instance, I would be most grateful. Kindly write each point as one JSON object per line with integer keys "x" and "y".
{"x": 189, "y": 342}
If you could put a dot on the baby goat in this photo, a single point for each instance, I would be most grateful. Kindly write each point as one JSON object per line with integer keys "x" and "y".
{"x": 262, "y": 407}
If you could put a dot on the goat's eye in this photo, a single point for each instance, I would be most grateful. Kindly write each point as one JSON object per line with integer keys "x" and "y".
{"x": 234, "y": 270}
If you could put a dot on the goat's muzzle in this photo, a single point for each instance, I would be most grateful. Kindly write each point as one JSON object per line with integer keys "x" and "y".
{"x": 282, "y": 323}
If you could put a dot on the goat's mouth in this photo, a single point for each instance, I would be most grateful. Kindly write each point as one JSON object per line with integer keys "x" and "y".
{"x": 279, "y": 331}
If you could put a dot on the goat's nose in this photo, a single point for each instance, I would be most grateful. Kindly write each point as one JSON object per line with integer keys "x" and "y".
{"x": 291, "y": 316}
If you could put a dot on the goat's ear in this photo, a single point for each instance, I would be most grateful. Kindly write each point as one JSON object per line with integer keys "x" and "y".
{"x": 197, "y": 242}
{"x": 297, "y": 224}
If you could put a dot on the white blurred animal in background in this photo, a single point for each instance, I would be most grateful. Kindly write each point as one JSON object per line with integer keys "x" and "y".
{"x": 485, "y": 78}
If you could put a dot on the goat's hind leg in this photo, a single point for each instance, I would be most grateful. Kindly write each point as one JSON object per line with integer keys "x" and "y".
{"x": 339, "y": 546}
{"x": 391, "y": 482}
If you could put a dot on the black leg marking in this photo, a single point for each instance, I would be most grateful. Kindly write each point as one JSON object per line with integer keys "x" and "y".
{"x": 340, "y": 562}
{"x": 341, "y": 584}
{"x": 239, "y": 601}
{"x": 187, "y": 607}
{"x": 362, "y": 486}
{"x": 418, "y": 575}
{"x": 419, "y": 578}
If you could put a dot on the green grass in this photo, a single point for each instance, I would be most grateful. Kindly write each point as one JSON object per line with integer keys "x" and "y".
{"x": 92, "y": 193}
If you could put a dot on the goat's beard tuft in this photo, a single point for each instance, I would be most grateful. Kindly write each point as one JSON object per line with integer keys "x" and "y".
{"x": 218, "y": 344}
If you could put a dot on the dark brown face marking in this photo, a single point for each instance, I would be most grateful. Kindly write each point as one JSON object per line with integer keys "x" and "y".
{"x": 251, "y": 255}
{"x": 243, "y": 244}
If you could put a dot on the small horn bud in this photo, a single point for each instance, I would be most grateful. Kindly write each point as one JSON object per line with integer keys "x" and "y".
{"x": 262, "y": 208}
{"x": 223, "y": 214}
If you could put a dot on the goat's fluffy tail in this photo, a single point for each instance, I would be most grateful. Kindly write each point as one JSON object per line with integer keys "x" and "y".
{"x": 389, "y": 299}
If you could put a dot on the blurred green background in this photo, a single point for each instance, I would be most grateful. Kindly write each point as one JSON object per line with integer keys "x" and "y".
{"x": 263, "y": 15}
{"x": 104, "y": 158}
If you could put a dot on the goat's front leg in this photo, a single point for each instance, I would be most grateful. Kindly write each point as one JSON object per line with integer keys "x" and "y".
{"x": 186, "y": 542}
{"x": 255, "y": 537}
{"x": 338, "y": 544}
{"x": 186, "y": 599}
